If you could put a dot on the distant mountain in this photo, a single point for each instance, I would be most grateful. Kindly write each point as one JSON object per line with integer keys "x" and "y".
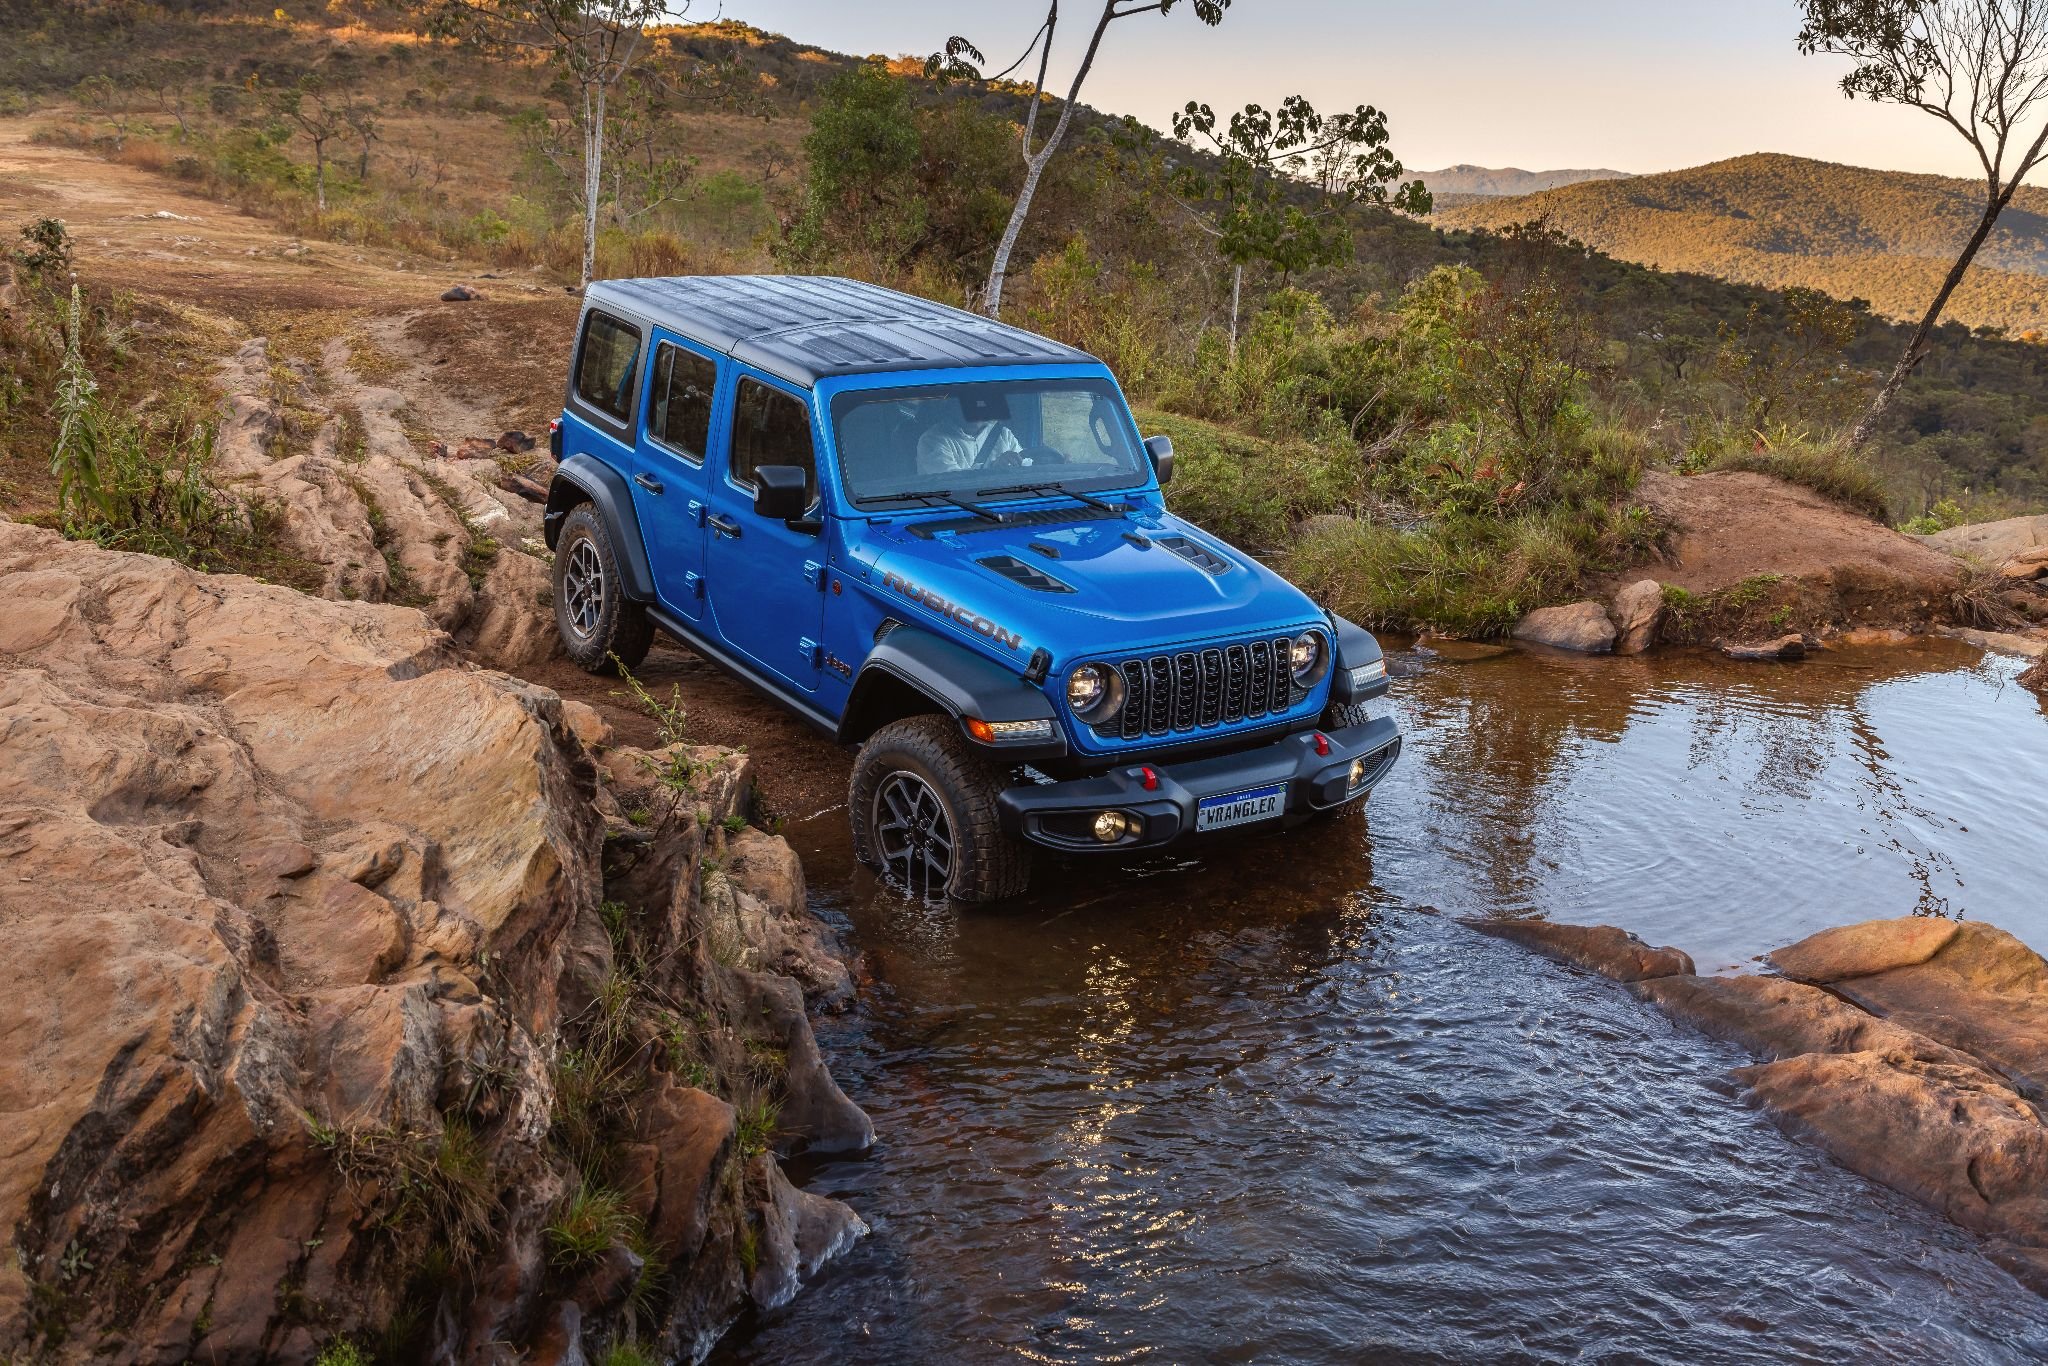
{"x": 1774, "y": 220}
{"x": 1462, "y": 181}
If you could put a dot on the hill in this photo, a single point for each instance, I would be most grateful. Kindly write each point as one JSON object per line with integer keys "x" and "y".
{"x": 1777, "y": 221}
{"x": 1487, "y": 182}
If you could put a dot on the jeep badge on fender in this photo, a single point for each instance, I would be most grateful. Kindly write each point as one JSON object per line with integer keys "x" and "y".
{"x": 1027, "y": 648}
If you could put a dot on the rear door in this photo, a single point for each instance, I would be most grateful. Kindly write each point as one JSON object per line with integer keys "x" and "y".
{"x": 766, "y": 581}
{"x": 669, "y": 480}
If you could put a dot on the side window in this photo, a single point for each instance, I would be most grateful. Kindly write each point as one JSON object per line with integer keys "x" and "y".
{"x": 771, "y": 428}
{"x": 680, "y": 417}
{"x": 605, "y": 365}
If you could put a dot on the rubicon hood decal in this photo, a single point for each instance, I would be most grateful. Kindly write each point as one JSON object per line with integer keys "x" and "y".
{"x": 945, "y": 607}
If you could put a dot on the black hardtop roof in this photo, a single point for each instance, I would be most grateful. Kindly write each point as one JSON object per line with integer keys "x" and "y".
{"x": 806, "y": 327}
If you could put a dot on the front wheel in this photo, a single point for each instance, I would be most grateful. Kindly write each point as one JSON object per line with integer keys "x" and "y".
{"x": 601, "y": 628}
{"x": 923, "y": 807}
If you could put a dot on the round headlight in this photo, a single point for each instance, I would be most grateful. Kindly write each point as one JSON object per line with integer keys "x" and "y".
{"x": 1305, "y": 654}
{"x": 1095, "y": 691}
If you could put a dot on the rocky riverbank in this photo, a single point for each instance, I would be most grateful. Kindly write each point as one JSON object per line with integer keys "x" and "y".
{"x": 356, "y": 993}
{"x": 1914, "y": 1050}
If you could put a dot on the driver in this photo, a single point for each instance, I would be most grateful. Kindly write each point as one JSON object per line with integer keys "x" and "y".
{"x": 954, "y": 444}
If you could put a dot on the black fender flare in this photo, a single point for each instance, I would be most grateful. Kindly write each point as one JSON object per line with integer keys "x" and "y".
{"x": 1353, "y": 646}
{"x": 586, "y": 479}
{"x": 956, "y": 680}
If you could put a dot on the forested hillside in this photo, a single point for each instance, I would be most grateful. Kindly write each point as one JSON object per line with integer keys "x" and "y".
{"x": 1479, "y": 401}
{"x": 1774, "y": 220}
{"x": 1507, "y": 180}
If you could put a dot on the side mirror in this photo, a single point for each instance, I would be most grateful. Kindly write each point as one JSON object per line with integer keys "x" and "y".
{"x": 779, "y": 492}
{"x": 1160, "y": 448}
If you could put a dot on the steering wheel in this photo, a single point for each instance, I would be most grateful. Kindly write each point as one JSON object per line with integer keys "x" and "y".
{"x": 1031, "y": 455}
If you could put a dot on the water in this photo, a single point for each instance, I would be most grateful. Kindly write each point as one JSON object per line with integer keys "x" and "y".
{"x": 1271, "y": 1102}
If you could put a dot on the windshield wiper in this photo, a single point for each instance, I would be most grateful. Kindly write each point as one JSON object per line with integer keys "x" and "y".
{"x": 929, "y": 496}
{"x": 1090, "y": 499}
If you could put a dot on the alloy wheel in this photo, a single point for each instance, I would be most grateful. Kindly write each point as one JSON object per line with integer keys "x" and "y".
{"x": 583, "y": 588}
{"x": 915, "y": 838}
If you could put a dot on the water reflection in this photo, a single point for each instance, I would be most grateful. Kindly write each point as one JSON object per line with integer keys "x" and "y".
{"x": 1258, "y": 1102}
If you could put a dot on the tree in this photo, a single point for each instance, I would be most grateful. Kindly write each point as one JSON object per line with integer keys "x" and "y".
{"x": 1285, "y": 181}
{"x": 961, "y": 59}
{"x": 114, "y": 97}
{"x": 320, "y": 113}
{"x": 361, "y": 118}
{"x": 1981, "y": 67}
{"x": 594, "y": 44}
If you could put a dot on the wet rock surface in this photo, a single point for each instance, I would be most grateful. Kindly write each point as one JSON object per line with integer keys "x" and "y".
{"x": 1638, "y": 612}
{"x": 1914, "y": 1050}
{"x": 1604, "y": 949}
{"x": 322, "y": 964}
{"x": 1580, "y": 626}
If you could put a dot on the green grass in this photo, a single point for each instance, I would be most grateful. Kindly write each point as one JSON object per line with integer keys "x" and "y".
{"x": 589, "y": 1224}
{"x": 1830, "y": 469}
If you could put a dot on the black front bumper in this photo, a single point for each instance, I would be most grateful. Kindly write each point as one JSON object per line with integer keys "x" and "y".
{"x": 1061, "y": 815}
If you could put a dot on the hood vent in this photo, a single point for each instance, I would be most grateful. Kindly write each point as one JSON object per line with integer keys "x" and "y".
{"x": 1059, "y": 516}
{"x": 1018, "y": 572}
{"x": 1199, "y": 556}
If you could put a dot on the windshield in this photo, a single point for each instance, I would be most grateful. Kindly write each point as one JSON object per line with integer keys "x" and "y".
{"x": 978, "y": 440}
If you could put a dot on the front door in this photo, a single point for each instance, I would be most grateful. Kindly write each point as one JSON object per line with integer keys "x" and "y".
{"x": 766, "y": 580}
{"x": 670, "y": 487}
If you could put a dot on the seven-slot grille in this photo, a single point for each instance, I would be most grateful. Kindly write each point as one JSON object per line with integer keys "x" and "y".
{"x": 1199, "y": 688}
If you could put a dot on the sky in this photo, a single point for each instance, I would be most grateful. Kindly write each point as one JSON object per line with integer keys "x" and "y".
{"x": 1632, "y": 85}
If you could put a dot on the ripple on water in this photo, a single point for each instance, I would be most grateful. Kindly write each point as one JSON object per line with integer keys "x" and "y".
{"x": 1255, "y": 1106}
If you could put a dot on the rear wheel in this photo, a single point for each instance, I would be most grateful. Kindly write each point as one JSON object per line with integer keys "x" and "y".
{"x": 923, "y": 807}
{"x": 601, "y": 628}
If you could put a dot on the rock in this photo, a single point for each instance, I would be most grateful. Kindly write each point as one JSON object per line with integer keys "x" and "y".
{"x": 1992, "y": 542}
{"x": 2037, "y": 677}
{"x": 531, "y": 490}
{"x": 1999, "y": 642}
{"x": 515, "y": 442}
{"x": 1951, "y": 1136}
{"x": 288, "y": 886}
{"x": 1604, "y": 949}
{"x": 1783, "y": 650}
{"x": 587, "y": 724}
{"x": 560, "y": 1339}
{"x": 1774, "y": 1018}
{"x": 1861, "y": 949}
{"x": 1874, "y": 635}
{"x": 689, "y": 1134}
{"x": 816, "y": 1115}
{"x": 775, "y": 919}
{"x": 1581, "y": 626}
{"x": 800, "y": 1232}
{"x": 2029, "y": 564}
{"x": 457, "y": 294}
{"x": 1461, "y": 651}
{"x": 1638, "y": 612}
{"x": 1983, "y": 993}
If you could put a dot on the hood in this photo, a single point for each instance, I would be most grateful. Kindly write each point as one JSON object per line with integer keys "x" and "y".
{"x": 1114, "y": 583}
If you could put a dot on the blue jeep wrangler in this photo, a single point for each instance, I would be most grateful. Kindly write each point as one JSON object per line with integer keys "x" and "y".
{"x": 942, "y": 539}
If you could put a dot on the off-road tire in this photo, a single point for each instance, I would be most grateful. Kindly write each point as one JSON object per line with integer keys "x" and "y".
{"x": 1338, "y": 715}
{"x": 615, "y": 631}
{"x": 986, "y": 863}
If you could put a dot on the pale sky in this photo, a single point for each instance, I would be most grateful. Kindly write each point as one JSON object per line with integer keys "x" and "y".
{"x": 1636, "y": 85}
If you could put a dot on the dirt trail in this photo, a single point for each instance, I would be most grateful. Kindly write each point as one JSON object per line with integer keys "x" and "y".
{"x": 341, "y": 367}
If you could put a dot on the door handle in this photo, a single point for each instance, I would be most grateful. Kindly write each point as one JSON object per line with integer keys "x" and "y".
{"x": 648, "y": 482}
{"x": 724, "y": 525}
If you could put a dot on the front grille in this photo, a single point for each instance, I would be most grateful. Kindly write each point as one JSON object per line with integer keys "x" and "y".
{"x": 1197, "y": 689}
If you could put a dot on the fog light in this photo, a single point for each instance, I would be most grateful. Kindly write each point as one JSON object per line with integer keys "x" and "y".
{"x": 1110, "y": 826}
{"x": 1357, "y": 772}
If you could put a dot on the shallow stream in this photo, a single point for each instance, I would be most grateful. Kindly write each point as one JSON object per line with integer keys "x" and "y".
{"x": 1272, "y": 1102}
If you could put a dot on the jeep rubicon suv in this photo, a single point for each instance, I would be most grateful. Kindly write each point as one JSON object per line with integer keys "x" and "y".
{"x": 942, "y": 539}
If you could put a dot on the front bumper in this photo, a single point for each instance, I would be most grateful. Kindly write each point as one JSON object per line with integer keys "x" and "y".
{"x": 1061, "y": 815}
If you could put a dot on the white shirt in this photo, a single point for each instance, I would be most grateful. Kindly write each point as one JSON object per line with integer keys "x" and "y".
{"x": 956, "y": 447}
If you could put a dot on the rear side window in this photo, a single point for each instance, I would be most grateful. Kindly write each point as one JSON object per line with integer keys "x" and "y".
{"x": 770, "y": 427}
{"x": 680, "y": 414}
{"x": 606, "y": 364}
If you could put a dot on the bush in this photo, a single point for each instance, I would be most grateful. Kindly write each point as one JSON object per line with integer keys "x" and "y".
{"x": 1828, "y": 467}
{"x": 1247, "y": 489}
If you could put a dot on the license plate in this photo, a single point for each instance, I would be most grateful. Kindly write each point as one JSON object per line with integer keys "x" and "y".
{"x": 1240, "y": 808}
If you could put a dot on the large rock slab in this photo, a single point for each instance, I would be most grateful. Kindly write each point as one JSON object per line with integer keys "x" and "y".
{"x": 1992, "y": 543}
{"x": 1604, "y": 949}
{"x": 1580, "y": 626}
{"x": 1861, "y": 949}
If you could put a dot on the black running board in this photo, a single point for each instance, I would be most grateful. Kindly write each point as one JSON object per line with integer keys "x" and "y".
{"x": 731, "y": 663}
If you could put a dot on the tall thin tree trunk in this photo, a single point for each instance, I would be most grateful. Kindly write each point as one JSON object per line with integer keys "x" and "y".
{"x": 593, "y": 174}
{"x": 1916, "y": 349}
{"x": 992, "y": 303}
{"x": 320, "y": 176}
{"x": 1236, "y": 293}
